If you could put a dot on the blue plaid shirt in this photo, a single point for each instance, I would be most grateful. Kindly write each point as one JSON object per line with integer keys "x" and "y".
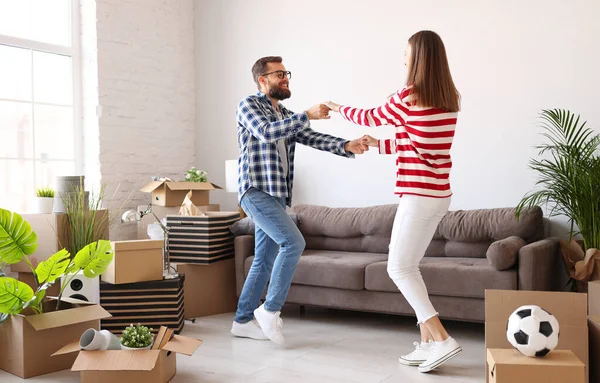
{"x": 259, "y": 129}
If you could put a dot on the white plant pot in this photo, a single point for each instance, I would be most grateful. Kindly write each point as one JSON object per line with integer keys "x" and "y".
{"x": 135, "y": 349}
{"x": 44, "y": 205}
{"x": 99, "y": 340}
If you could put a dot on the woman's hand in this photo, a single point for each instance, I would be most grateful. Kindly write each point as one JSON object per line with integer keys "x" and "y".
{"x": 332, "y": 105}
{"x": 369, "y": 141}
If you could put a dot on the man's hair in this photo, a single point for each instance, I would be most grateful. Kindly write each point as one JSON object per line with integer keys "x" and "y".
{"x": 260, "y": 67}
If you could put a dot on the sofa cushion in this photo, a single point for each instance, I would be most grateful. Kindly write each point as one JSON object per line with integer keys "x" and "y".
{"x": 365, "y": 229}
{"x": 503, "y": 254}
{"x": 338, "y": 269}
{"x": 456, "y": 277}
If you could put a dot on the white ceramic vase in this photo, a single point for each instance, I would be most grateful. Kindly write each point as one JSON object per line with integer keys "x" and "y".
{"x": 93, "y": 339}
{"x": 44, "y": 205}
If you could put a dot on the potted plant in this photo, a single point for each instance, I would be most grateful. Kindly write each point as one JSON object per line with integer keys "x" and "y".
{"x": 17, "y": 242}
{"x": 44, "y": 200}
{"x": 136, "y": 337}
{"x": 569, "y": 185}
{"x": 195, "y": 175}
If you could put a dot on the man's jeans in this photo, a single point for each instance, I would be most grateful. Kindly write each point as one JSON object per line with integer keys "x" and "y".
{"x": 278, "y": 247}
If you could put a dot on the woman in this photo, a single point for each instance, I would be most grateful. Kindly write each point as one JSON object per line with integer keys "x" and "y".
{"x": 424, "y": 113}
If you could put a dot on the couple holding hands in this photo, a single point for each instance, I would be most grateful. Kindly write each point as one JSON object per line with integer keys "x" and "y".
{"x": 424, "y": 114}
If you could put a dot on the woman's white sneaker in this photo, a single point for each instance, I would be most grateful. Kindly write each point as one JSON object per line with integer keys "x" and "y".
{"x": 248, "y": 330}
{"x": 440, "y": 354}
{"x": 418, "y": 356}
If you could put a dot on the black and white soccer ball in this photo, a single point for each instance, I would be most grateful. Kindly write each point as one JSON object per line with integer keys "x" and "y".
{"x": 532, "y": 330}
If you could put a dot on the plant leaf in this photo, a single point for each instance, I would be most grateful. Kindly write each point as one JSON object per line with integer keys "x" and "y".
{"x": 54, "y": 267}
{"x": 16, "y": 237}
{"x": 94, "y": 258}
{"x": 14, "y": 295}
{"x": 36, "y": 301}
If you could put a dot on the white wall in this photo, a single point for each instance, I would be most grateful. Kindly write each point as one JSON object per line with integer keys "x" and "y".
{"x": 509, "y": 60}
{"x": 139, "y": 95}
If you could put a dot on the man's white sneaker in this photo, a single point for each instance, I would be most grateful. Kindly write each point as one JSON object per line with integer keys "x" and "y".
{"x": 441, "y": 353}
{"x": 270, "y": 323}
{"x": 248, "y": 330}
{"x": 418, "y": 356}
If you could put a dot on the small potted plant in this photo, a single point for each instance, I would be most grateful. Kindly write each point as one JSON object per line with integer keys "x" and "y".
{"x": 45, "y": 200}
{"x": 136, "y": 337}
{"x": 195, "y": 175}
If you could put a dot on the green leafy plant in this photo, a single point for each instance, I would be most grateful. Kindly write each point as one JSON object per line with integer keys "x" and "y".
{"x": 195, "y": 175}
{"x": 137, "y": 336}
{"x": 569, "y": 175}
{"x": 45, "y": 192}
{"x": 18, "y": 241}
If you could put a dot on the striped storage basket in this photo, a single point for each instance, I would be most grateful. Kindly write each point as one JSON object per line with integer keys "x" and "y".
{"x": 201, "y": 239}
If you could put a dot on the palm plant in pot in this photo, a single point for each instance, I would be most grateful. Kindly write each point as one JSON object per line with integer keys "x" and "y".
{"x": 17, "y": 242}
{"x": 569, "y": 185}
{"x": 136, "y": 337}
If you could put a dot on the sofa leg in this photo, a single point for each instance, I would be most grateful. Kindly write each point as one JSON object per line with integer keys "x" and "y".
{"x": 302, "y": 310}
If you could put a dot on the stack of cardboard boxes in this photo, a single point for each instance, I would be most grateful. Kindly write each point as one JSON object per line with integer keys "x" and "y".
{"x": 133, "y": 289}
{"x": 568, "y": 363}
{"x": 200, "y": 247}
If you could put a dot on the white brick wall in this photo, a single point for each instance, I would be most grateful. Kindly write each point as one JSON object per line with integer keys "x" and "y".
{"x": 139, "y": 70}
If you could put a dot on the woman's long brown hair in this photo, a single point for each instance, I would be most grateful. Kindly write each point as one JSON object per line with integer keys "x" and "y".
{"x": 429, "y": 73}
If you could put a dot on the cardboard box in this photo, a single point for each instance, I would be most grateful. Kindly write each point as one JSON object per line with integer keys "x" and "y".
{"x": 28, "y": 341}
{"x": 135, "y": 261}
{"x": 569, "y": 309}
{"x": 510, "y": 366}
{"x": 118, "y": 366}
{"x": 594, "y": 298}
{"x": 153, "y": 304}
{"x": 594, "y": 339}
{"x": 201, "y": 239}
{"x": 162, "y": 212}
{"x": 209, "y": 289}
{"x": 166, "y": 193}
{"x": 54, "y": 234}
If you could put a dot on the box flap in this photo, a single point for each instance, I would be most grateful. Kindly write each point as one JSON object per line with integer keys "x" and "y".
{"x": 595, "y": 319}
{"x": 67, "y": 317}
{"x": 116, "y": 360}
{"x": 141, "y": 244}
{"x": 183, "y": 345}
{"x": 149, "y": 187}
{"x": 69, "y": 348}
{"x": 513, "y": 357}
{"x": 491, "y": 362}
{"x": 570, "y": 309}
{"x": 192, "y": 186}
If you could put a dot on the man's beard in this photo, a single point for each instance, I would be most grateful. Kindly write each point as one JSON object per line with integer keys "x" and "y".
{"x": 279, "y": 93}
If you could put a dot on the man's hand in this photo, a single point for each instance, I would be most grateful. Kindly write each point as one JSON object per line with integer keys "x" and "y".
{"x": 356, "y": 146}
{"x": 369, "y": 141}
{"x": 333, "y": 106}
{"x": 318, "y": 112}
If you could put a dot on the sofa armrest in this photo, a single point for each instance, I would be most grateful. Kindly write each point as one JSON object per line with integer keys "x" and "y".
{"x": 541, "y": 267}
{"x": 244, "y": 248}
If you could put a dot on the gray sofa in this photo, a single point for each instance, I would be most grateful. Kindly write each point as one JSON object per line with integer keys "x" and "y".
{"x": 344, "y": 263}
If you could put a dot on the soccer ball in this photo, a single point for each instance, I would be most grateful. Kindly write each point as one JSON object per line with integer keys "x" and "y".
{"x": 532, "y": 330}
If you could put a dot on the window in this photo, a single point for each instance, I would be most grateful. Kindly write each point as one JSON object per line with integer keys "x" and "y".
{"x": 39, "y": 100}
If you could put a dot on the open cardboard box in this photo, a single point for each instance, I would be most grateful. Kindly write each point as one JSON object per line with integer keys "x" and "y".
{"x": 570, "y": 309}
{"x": 27, "y": 341}
{"x": 121, "y": 366}
{"x": 165, "y": 193}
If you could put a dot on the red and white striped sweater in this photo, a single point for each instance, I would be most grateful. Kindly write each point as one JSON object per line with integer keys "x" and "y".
{"x": 422, "y": 142}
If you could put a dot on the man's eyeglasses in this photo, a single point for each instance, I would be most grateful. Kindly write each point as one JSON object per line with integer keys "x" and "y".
{"x": 280, "y": 74}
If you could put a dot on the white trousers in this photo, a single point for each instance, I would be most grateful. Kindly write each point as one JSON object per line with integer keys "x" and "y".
{"x": 416, "y": 220}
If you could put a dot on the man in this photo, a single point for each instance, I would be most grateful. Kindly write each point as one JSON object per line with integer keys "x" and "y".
{"x": 267, "y": 137}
